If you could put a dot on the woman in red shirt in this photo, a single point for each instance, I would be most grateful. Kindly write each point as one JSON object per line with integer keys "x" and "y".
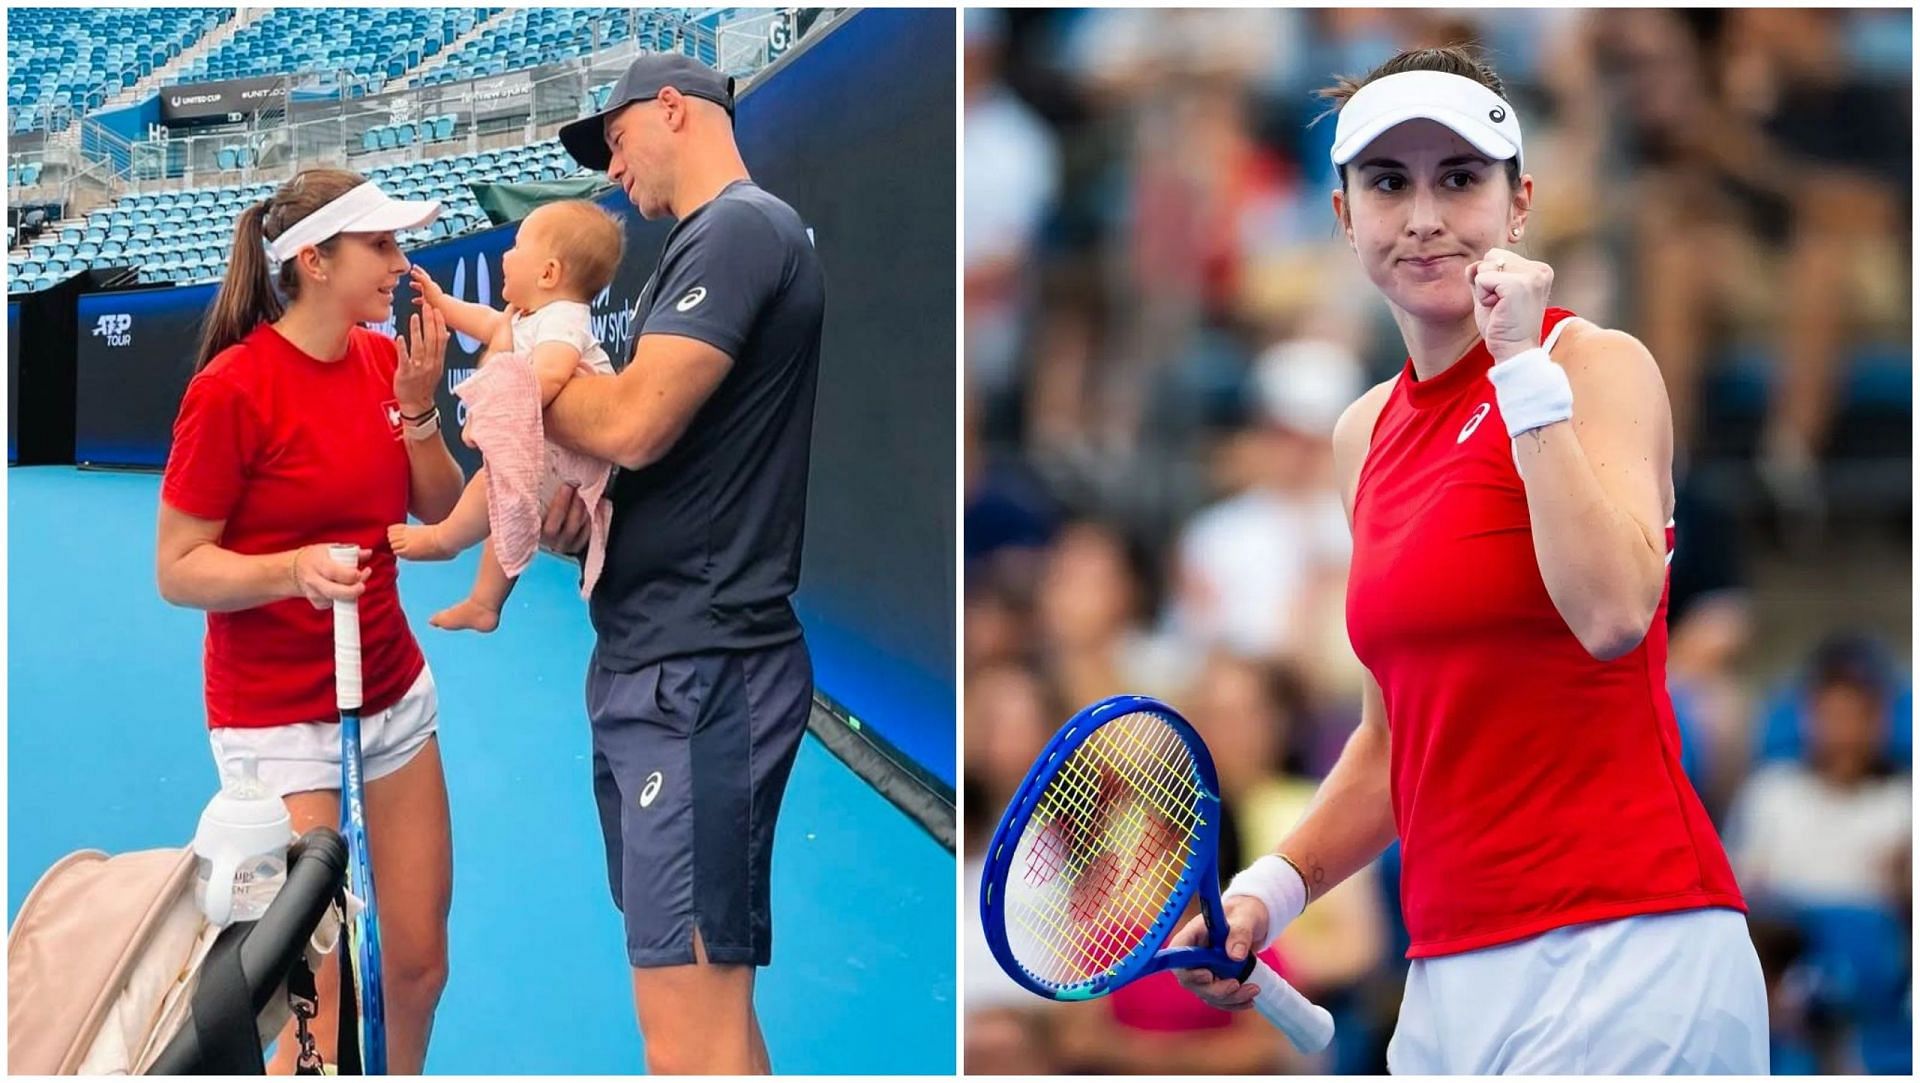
{"x": 301, "y": 429}
{"x": 1510, "y": 494}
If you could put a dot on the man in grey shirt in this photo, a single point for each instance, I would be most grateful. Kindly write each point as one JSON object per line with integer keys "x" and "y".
{"x": 700, "y": 684}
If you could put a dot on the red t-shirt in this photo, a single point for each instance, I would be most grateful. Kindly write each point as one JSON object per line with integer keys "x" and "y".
{"x": 1533, "y": 786}
{"x": 290, "y": 450}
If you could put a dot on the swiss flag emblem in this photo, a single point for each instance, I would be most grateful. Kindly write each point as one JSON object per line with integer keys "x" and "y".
{"x": 395, "y": 423}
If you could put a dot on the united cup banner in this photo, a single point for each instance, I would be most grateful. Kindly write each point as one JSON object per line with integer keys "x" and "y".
{"x": 225, "y": 102}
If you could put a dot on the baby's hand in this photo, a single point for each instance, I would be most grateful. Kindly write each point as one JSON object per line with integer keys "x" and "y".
{"x": 429, "y": 291}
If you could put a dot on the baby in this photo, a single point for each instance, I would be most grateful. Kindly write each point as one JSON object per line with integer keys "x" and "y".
{"x": 564, "y": 254}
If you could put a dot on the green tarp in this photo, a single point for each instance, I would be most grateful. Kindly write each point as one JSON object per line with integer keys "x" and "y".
{"x": 511, "y": 202}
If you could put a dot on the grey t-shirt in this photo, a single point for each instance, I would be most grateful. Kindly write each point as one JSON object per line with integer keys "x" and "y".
{"x": 704, "y": 550}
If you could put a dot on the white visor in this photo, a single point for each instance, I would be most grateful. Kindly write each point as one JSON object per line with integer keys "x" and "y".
{"x": 1473, "y": 112}
{"x": 366, "y": 209}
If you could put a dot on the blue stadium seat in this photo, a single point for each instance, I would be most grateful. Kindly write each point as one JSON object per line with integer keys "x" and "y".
{"x": 56, "y": 56}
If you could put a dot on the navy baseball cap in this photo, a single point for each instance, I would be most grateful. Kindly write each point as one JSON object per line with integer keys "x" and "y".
{"x": 586, "y": 138}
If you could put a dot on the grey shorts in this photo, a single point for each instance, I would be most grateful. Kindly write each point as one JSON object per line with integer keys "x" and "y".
{"x": 690, "y": 759}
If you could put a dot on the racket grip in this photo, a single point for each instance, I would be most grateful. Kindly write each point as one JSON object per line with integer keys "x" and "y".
{"x": 346, "y": 635}
{"x": 1306, "y": 1024}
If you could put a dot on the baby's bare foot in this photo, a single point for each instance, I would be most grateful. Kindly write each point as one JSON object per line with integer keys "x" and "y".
{"x": 469, "y": 616}
{"x": 411, "y": 542}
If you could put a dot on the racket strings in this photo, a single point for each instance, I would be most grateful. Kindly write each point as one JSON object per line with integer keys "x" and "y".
{"x": 1114, "y": 910}
{"x": 1110, "y": 839}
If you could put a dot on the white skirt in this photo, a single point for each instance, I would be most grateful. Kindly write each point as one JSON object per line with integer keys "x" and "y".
{"x": 1677, "y": 993}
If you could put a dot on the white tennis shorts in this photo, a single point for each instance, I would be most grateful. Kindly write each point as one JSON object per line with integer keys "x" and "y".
{"x": 306, "y": 755}
{"x": 1677, "y": 993}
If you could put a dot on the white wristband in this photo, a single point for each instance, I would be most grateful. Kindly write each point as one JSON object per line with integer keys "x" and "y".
{"x": 1278, "y": 886}
{"x": 1532, "y": 391}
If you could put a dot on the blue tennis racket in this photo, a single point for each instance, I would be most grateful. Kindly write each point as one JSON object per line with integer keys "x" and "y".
{"x": 1115, "y": 829}
{"x": 365, "y": 930}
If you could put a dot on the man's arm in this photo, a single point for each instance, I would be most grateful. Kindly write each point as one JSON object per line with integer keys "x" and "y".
{"x": 635, "y": 418}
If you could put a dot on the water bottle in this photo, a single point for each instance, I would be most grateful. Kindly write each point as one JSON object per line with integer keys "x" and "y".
{"x": 241, "y": 848}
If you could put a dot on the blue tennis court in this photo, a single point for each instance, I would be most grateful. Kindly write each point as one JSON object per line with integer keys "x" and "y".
{"x": 107, "y": 749}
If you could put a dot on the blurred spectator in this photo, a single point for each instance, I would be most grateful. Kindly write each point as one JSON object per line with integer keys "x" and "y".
{"x": 1831, "y": 829}
{"x": 1012, "y": 170}
{"x": 1765, "y": 191}
{"x": 1263, "y": 572}
{"x": 1093, "y": 643}
{"x": 1010, "y": 715}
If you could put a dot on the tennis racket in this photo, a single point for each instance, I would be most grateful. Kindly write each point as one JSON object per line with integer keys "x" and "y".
{"x": 365, "y": 931}
{"x": 1107, "y": 840}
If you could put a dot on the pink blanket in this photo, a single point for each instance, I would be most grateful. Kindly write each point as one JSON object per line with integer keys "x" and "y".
{"x": 503, "y": 418}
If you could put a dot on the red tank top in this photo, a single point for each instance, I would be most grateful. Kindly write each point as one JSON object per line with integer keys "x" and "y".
{"x": 1533, "y": 786}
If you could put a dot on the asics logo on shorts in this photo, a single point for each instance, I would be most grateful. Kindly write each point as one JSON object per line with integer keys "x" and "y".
{"x": 1479, "y": 415}
{"x": 651, "y": 790}
{"x": 692, "y": 300}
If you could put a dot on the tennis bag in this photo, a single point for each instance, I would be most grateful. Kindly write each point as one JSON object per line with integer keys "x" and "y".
{"x": 113, "y": 970}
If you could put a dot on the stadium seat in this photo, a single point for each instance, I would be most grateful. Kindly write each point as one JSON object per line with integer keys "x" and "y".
{"x": 47, "y": 68}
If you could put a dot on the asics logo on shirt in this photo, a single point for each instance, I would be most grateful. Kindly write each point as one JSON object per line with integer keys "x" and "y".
{"x": 692, "y": 300}
{"x": 1479, "y": 415}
